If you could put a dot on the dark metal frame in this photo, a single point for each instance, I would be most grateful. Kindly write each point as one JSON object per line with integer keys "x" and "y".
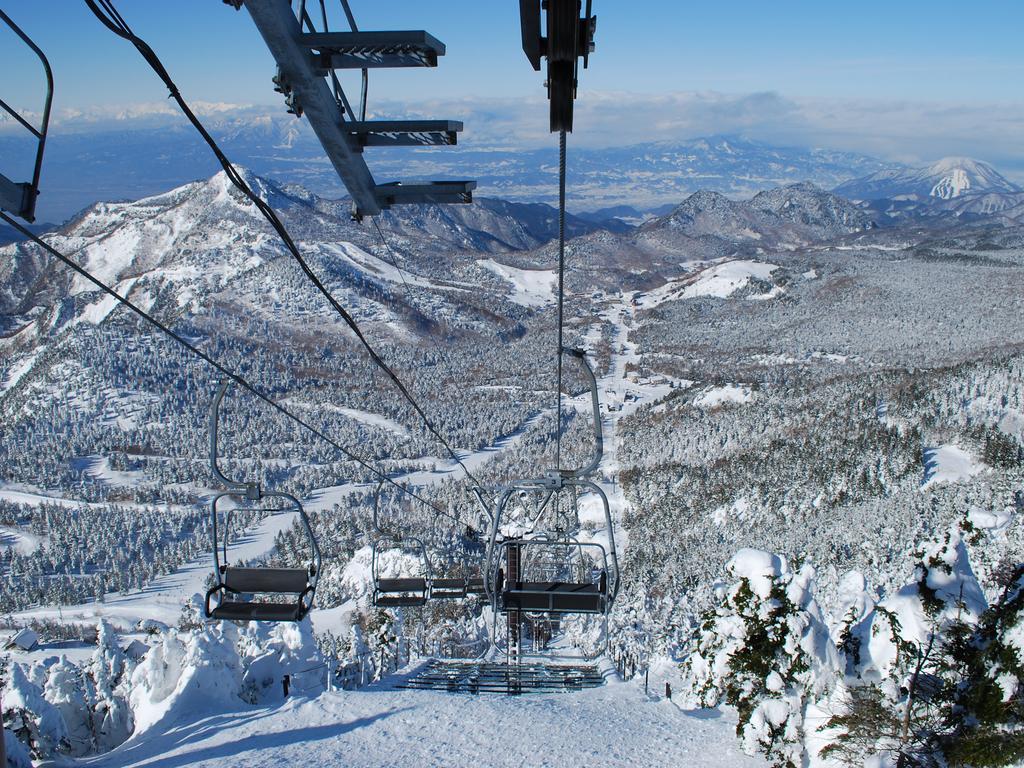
{"x": 252, "y": 492}
{"x": 20, "y": 198}
{"x": 305, "y": 58}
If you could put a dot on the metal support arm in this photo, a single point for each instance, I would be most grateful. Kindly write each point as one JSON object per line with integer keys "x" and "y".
{"x": 300, "y": 68}
{"x": 595, "y": 402}
{"x": 251, "y": 491}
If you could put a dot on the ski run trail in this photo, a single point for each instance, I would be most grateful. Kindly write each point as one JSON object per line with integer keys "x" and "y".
{"x": 614, "y": 725}
{"x": 617, "y": 724}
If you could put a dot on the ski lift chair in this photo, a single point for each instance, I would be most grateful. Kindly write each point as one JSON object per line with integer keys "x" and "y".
{"x": 397, "y": 591}
{"x": 514, "y": 593}
{"x": 554, "y": 597}
{"x": 236, "y": 586}
{"x": 20, "y": 198}
{"x": 231, "y": 596}
{"x": 471, "y": 545}
{"x": 401, "y": 591}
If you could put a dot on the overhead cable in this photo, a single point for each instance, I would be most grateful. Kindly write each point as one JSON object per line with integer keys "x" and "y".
{"x": 110, "y": 17}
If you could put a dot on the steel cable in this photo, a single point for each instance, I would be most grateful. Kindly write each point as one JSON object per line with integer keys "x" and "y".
{"x": 237, "y": 378}
{"x": 119, "y": 26}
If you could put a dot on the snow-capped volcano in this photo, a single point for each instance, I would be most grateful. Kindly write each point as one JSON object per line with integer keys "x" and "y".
{"x": 962, "y": 175}
{"x": 949, "y": 178}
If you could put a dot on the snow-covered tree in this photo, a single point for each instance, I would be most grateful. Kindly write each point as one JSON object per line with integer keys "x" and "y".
{"x": 36, "y": 723}
{"x": 764, "y": 649}
{"x": 110, "y": 671}
{"x": 904, "y": 662}
{"x": 67, "y": 691}
{"x": 985, "y": 720}
{"x": 269, "y": 652}
{"x": 17, "y": 753}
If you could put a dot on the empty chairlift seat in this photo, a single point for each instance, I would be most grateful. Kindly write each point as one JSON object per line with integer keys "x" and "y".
{"x": 449, "y": 589}
{"x": 456, "y": 588}
{"x": 236, "y": 584}
{"x": 231, "y": 596}
{"x": 401, "y": 592}
{"x": 556, "y": 596}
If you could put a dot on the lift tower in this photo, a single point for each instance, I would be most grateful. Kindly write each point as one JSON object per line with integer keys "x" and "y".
{"x": 307, "y": 62}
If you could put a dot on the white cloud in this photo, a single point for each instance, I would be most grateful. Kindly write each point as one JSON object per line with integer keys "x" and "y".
{"x": 914, "y": 132}
{"x": 908, "y": 131}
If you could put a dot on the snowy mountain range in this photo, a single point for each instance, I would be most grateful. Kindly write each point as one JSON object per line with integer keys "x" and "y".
{"x": 957, "y": 186}
{"x": 798, "y": 213}
{"x": 129, "y": 162}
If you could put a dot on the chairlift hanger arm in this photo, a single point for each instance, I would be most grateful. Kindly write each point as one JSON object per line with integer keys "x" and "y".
{"x": 595, "y": 403}
{"x": 569, "y": 37}
{"x": 20, "y": 198}
{"x": 250, "y": 490}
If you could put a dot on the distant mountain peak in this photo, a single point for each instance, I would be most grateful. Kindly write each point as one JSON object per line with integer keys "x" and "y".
{"x": 946, "y": 179}
{"x": 956, "y": 162}
{"x": 794, "y": 213}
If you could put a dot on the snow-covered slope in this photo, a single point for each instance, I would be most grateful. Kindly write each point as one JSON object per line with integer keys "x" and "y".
{"x": 380, "y": 726}
{"x": 948, "y": 178}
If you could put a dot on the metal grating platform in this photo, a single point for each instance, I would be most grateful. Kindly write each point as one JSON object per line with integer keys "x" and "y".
{"x": 475, "y": 677}
{"x": 358, "y": 50}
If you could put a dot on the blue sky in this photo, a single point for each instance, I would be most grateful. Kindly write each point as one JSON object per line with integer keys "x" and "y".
{"x": 830, "y": 66}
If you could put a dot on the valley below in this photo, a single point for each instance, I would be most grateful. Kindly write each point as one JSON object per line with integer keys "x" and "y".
{"x": 793, "y": 374}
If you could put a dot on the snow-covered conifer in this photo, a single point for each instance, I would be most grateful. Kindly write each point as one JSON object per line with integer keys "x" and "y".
{"x": 765, "y": 649}
{"x": 902, "y": 681}
{"x": 110, "y": 671}
{"x": 66, "y": 690}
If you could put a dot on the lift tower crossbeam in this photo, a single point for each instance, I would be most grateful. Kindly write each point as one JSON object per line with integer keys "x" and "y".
{"x": 305, "y": 59}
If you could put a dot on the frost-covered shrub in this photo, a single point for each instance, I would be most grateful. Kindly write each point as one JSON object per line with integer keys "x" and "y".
{"x": 765, "y": 649}
{"x": 185, "y": 674}
{"x": 938, "y": 676}
{"x": 35, "y": 722}
{"x": 269, "y": 652}
{"x": 66, "y": 690}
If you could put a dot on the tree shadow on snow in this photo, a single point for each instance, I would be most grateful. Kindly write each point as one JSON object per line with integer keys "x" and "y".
{"x": 710, "y": 713}
{"x": 266, "y": 741}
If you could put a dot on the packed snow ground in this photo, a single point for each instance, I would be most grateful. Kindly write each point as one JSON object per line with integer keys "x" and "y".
{"x": 615, "y": 725}
{"x": 718, "y": 280}
{"x": 530, "y": 287}
{"x": 949, "y": 464}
